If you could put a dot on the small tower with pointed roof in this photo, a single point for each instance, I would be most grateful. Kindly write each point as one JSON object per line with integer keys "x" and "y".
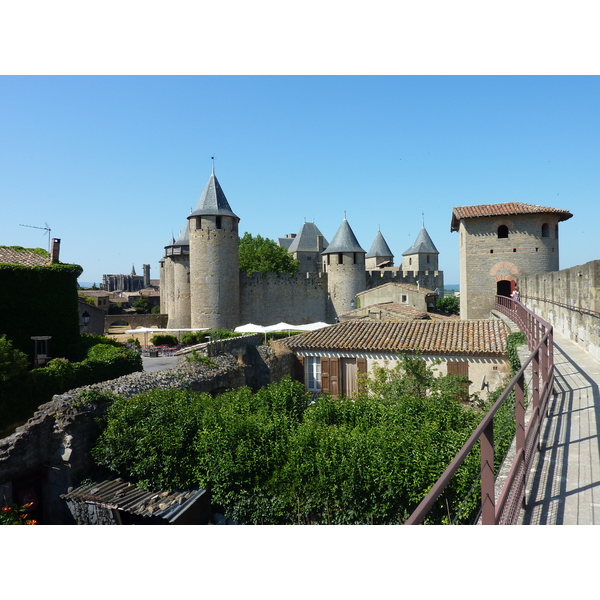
{"x": 422, "y": 255}
{"x": 307, "y": 248}
{"x": 214, "y": 260}
{"x": 380, "y": 254}
{"x": 176, "y": 271}
{"x": 344, "y": 263}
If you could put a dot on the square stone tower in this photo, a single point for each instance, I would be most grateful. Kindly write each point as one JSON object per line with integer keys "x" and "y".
{"x": 497, "y": 243}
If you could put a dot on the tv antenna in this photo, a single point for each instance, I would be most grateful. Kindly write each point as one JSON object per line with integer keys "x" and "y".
{"x": 46, "y": 228}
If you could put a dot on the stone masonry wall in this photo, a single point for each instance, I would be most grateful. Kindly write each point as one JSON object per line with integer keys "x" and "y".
{"x": 569, "y": 300}
{"x": 270, "y": 299}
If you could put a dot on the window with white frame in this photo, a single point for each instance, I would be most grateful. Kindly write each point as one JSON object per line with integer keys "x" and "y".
{"x": 312, "y": 366}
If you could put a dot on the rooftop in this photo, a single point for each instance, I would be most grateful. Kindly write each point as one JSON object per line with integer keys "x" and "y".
{"x": 502, "y": 210}
{"x": 477, "y": 337}
{"x": 423, "y": 244}
{"x": 344, "y": 240}
{"x": 28, "y": 257}
{"x": 379, "y": 247}
{"x": 409, "y": 287}
{"x": 307, "y": 239}
{"x": 213, "y": 201}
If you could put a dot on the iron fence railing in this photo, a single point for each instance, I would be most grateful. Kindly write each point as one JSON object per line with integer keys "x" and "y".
{"x": 506, "y": 508}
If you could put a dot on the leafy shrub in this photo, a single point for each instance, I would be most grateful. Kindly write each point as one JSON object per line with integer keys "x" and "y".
{"x": 13, "y": 362}
{"x": 164, "y": 339}
{"x": 448, "y": 304}
{"x": 277, "y": 457}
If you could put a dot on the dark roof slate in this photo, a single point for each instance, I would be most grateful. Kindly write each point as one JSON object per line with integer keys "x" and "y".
{"x": 344, "y": 240}
{"x": 423, "y": 244}
{"x": 379, "y": 248}
{"x": 213, "y": 201}
{"x": 306, "y": 240}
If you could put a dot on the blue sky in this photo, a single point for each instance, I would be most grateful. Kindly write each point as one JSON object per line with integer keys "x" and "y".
{"x": 114, "y": 164}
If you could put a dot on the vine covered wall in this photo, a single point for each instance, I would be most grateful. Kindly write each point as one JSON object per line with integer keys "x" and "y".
{"x": 40, "y": 301}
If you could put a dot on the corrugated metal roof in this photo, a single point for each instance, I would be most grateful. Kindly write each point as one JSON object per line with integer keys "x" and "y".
{"x": 476, "y": 337}
{"x": 126, "y": 496}
{"x": 501, "y": 210}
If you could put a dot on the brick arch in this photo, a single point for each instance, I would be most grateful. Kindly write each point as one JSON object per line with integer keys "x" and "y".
{"x": 505, "y": 266}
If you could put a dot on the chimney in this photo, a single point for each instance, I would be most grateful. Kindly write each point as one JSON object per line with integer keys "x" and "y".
{"x": 55, "y": 249}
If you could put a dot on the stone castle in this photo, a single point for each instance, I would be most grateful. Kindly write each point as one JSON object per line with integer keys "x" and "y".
{"x": 202, "y": 286}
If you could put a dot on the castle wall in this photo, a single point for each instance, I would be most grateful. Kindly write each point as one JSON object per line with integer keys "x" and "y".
{"x": 486, "y": 259}
{"x": 270, "y": 299}
{"x": 569, "y": 300}
{"x": 430, "y": 280}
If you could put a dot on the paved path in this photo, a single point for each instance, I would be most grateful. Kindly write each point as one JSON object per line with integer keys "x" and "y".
{"x": 564, "y": 484}
{"x": 159, "y": 363}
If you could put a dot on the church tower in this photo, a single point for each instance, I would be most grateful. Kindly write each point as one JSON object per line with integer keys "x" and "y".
{"x": 214, "y": 260}
{"x": 344, "y": 263}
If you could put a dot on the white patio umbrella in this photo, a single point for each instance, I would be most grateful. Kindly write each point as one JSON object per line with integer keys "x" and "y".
{"x": 250, "y": 328}
{"x": 312, "y": 326}
{"x": 280, "y": 327}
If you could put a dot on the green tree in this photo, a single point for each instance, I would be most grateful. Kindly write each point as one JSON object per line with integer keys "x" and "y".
{"x": 448, "y": 304}
{"x": 263, "y": 255}
{"x": 142, "y": 305}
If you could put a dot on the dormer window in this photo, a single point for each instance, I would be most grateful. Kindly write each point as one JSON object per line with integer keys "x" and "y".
{"x": 502, "y": 231}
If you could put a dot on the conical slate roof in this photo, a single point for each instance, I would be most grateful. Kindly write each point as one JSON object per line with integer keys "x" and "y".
{"x": 306, "y": 240}
{"x": 379, "y": 247}
{"x": 213, "y": 201}
{"x": 422, "y": 245}
{"x": 344, "y": 240}
{"x": 184, "y": 236}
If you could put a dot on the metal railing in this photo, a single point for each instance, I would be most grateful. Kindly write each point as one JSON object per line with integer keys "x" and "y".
{"x": 506, "y": 508}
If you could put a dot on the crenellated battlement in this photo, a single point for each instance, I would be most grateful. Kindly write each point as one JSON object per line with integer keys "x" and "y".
{"x": 427, "y": 279}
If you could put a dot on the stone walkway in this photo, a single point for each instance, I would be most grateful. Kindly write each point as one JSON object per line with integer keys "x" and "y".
{"x": 564, "y": 483}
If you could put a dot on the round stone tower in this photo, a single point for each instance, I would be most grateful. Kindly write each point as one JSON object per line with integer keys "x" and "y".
{"x": 498, "y": 243}
{"x": 344, "y": 263}
{"x": 380, "y": 254}
{"x": 214, "y": 260}
{"x": 177, "y": 280}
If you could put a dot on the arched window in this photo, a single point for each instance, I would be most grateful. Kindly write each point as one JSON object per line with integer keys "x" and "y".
{"x": 503, "y": 231}
{"x": 545, "y": 230}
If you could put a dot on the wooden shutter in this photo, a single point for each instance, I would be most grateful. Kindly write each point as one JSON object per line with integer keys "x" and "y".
{"x": 361, "y": 369}
{"x": 458, "y": 368}
{"x": 325, "y": 375}
{"x": 334, "y": 376}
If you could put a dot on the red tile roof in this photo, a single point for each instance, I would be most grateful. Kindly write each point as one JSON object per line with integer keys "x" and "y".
{"x": 501, "y": 210}
{"x": 22, "y": 256}
{"x": 477, "y": 337}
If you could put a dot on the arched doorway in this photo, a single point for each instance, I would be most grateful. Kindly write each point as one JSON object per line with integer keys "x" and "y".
{"x": 504, "y": 287}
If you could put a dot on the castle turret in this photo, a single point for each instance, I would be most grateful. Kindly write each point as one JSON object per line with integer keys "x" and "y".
{"x": 214, "y": 260}
{"x": 498, "y": 243}
{"x": 422, "y": 255}
{"x": 307, "y": 247}
{"x": 380, "y": 254}
{"x": 177, "y": 280}
{"x": 344, "y": 262}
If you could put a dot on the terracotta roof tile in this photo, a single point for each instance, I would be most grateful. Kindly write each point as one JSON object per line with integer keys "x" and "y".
{"x": 500, "y": 210}
{"x": 22, "y": 256}
{"x": 477, "y": 337}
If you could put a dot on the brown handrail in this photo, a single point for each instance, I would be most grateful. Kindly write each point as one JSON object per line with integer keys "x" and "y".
{"x": 506, "y": 509}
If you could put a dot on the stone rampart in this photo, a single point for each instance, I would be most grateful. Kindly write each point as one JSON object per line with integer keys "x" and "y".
{"x": 568, "y": 299}
{"x": 430, "y": 280}
{"x": 269, "y": 299}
